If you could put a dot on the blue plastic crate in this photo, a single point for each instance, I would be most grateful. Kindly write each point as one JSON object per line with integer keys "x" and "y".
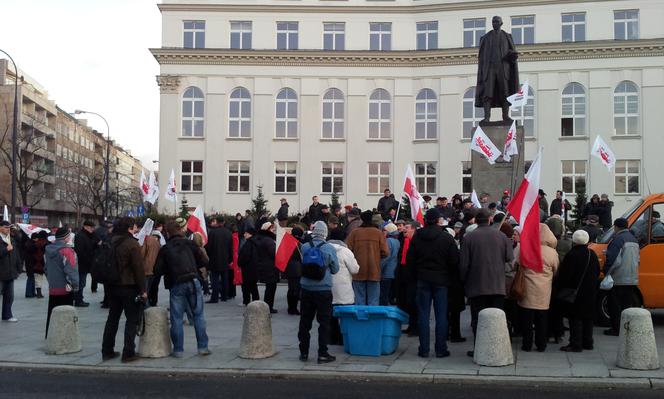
{"x": 370, "y": 330}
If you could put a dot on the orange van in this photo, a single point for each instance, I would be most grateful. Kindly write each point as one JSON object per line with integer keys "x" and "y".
{"x": 651, "y": 241}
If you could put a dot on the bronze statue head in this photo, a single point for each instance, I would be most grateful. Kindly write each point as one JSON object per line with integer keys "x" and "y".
{"x": 496, "y": 22}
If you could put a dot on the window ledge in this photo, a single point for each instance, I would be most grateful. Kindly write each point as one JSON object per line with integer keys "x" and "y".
{"x": 191, "y": 138}
{"x": 192, "y": 192}
{"x": 238, "y": 192}
{"x": 627, "y": 137}
{"x": 238, "y": 138}
{"x": 380, "y": 140}
{"x": 425, "y": 141}
{"x": 464, "y": 140}
{"x": 530, "y": 138}
{"x": 278, "y": 193}
{"x": 573, "y": 138}
{"x": 338, "y": 140}
{"x": 285, "y": 139}
{"x": 637, "y": 195}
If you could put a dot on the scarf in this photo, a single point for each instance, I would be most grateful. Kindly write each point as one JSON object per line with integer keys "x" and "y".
{"x": 6, "y": 238}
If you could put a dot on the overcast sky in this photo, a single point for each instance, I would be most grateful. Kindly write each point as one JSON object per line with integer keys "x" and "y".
{"x": 92, "y": 55}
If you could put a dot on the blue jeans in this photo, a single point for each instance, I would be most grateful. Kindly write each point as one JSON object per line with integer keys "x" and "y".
{"x": 183, "y": 295}
{"x": 367, "y": 292}
{"x": 7, "y": 288}
{"x": 426, "y": 293}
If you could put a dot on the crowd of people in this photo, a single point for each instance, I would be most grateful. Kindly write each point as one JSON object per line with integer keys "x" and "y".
{"x": 463, "y": 254}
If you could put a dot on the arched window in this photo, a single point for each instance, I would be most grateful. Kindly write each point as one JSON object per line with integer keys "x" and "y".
{"x": 626, "y": 108}
{"x": 471, "y": 115}
{"x": 286, "y": 114}
{"x": 526, "y": 115}
{"x": 239, "y": 115}
{"x": 573, "y": 122}
{"x": 193, "y": 112}
{"x": 426, "y": 115}
{"x": 333, "y": 114}
{"x": 380, "y": 115}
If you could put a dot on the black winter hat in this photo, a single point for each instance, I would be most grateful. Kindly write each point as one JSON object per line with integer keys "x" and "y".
{"x": 366, "y": 216}
{"x": 432, "y": 216}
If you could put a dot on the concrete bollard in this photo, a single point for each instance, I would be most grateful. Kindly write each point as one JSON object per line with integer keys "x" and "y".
{"x": 637, "y": 349}
{"x": 63, "y": 336}
{"x": 156, "y": 340}
{"x": 492, "y": 344}
{"x": 256, "y": 340}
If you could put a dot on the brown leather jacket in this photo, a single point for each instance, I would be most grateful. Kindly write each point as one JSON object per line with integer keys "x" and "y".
{"x": 130, "y": 261}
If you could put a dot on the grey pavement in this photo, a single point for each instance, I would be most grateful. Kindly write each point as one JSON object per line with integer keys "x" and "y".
{"x": 23, "y": 346}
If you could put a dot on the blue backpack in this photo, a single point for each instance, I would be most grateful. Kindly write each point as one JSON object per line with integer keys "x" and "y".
{"x": 313, "y": 263}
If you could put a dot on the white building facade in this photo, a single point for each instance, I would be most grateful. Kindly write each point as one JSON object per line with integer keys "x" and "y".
{"x": 310, "y": 97}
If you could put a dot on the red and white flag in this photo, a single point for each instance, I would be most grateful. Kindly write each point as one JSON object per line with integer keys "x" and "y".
{"x": 511, "y": 147}
{"x": 525, "y": 209}
{"x": 153, "y": 189}
{"x": 286, "y": 245}
{"x": 602, "y": 151}
{"x": 171, "y": 190}
{"x": 144, "y": 186}
{"x": 414, "y": 197}
{"x": 520, "y": 98}
{"x": 30, "y": 229}
{"x": 482, "y": 144}
{"x": 476, "y": 202}
{"x": 196, "y": 224}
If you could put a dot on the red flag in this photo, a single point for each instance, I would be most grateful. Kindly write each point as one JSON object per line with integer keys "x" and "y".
{"x": 525, "y": 209}
{"x": 237, "y": 272}
{"x": 285, "y": 250}
{"x": 196, "y": 223}
{"x": 414, "y": 198}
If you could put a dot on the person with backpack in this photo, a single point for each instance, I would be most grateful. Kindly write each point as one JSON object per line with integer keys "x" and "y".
{"x": 125, "y": 282}
{"x": 61, "y": 269}
{"x": 319, "y": 263}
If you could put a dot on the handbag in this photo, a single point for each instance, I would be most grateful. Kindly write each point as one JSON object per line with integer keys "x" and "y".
{"x": 518, "y": 289}
{"x": 568, "y": 295}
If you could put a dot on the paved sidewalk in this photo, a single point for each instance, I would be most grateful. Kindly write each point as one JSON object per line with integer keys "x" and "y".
{"x": 23, "y": 343}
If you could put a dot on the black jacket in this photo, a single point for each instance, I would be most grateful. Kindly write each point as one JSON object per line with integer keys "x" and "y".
{"x": 315, "y": 213}
{"x": 282, "y": 213}
{"x": 571, "y": 274}
{"x": 433, "y": 255}
{"x": 10, "y": 261}
{"x": 294, "y": 267}
{"x": 219, "y": 249}
{"x": 178, "y": 261}
{"x": 594, "y": 232}
{"x": 605, "y": 218}
{"x": 256, "y": 258}
{"x": 447, "y": 212}
{"x": 85, "y": 245}
{"x": 557, "y": 207}
{"x": 386, "y": 203}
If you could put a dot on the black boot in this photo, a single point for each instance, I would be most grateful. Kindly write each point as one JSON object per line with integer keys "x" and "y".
{"x": 39, "y": 293}
{"x": 487, "y": 111}
{"x": 506, "y": 113}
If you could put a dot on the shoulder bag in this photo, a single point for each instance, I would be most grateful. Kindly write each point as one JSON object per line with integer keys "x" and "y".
{"x": 568, "y": 295}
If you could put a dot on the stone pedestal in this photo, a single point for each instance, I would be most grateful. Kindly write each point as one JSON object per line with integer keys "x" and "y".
{"x": 492, "y": 344}
{"x": 63, "y": 336}
{"x": 637, "y": 349}
{"x": 256, "y": 340}
{"x": 495, "y": 179}
{"x": 156, "y": 340}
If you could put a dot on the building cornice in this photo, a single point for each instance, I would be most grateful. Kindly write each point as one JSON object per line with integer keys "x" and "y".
{"x": 458, "y": 56}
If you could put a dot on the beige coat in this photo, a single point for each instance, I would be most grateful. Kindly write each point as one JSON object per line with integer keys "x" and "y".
{"x": 150, "y": 250}
{"x": 538, "y": 285}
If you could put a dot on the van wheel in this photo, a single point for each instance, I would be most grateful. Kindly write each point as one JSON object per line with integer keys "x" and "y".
{"x": 602, "y": 318}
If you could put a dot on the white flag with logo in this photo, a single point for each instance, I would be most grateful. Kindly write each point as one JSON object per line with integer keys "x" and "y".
{"x": 171, "y": 192}
{"x": 476, "y": 202}
{"x": 153, "y": 190}
{"x": 511, "y": 147}
{"x": 520, "y": 98}
{"x": 144, "y": 186}
{"x": 602, "y": 151}
{"x": 482, "y": 144}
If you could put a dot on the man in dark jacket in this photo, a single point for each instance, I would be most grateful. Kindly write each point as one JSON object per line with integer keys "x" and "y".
{"x": 126, "y": 296}
{"x": 557, "y": 205}
{"x": 432, "y": 254}
{"x": 605, "y": 218}
{"x": 315, "y": 210}
{"x": 220, "y": 251}
{"x": 282, "y": 213}
{"x": 386, "y": 202}
{"x": 257, "y": 263}
{"x": 10, "y": 268}
{"x": 85, "y": 244}
{"x": 592, "y": 228}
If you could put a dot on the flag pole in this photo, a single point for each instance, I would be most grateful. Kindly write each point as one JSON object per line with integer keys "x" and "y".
{"x": 399, "y": 207}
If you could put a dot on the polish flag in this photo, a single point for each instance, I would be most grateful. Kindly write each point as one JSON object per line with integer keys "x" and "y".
{"x": 171, "y": 191}
{"x": 602, "y": 151}
{"x": 476, "y": 202}
{"x": 525, "y": 209}
{"x": 196, "y": 223}
{"x": 511, "y": 147}
{"x": 483, "y": 144}
{"x": 144, "y": 186}
{"x": 30, "y": 229}
{"x": 286, "y": 245}
{"x": 414, "y": 198}
{"x": 520, "y": 98}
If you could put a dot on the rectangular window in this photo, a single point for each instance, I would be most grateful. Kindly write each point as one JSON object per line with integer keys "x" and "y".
{"x": 427, "y": 35}
{"x": 573, "y": 176}
{"x": 191, "y": 176}
{"x": 626, "y": 24}
{"x": 334, "y": 36}
{"x": 194, "y": 34}
{"x": 473, "y": 30}
{"x": 379, "y": 177}
{"x": 285, "y": 177}
{"x": 627, "y": 177}
{"x": 241, "y": 35}
{"x": 523, "y": 29}
{"x": 287, "y": 36}
{"x": 574, "y": 27}
{"x": 332, "y": 177}
{"x": 238, "y": 176}
{"x": 425, "y": 177}
{"x": 380, "y": 36}
{"x": 58, "y": 150}
{"x": 466, "y": 177}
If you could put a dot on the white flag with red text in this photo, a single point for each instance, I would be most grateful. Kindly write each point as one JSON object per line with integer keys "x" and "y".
{"x": 602, "y": 151}
{"x": 511, "y": 147}
{"x": 414, "y": 197}
{"x": 476, "y": 202}
{"x": 482, "y": 144}
{"x": 144, "y": 186}
{"x": 171, "y": 190}
{"x": 520, "y": 98}
{"x": 196, "y": 223}
{"x": 153, "y": 190}
{"x": 30, "y": 229}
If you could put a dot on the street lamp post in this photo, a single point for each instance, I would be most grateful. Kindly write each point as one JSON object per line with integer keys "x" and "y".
{"x": 108, "y": 156}
{"x": 14, "y": 138}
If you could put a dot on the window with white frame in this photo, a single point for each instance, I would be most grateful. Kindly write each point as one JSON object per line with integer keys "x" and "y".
{"x": 238, "y": 176}
{"x": 426, "y": 115}
{"x": 191, "y": 176}
{"x": 379, "y": 177}
{"x": 574, "y": 27}
{"x": 380, "y": 36}
{"x": 626, "y": 108}
{"x": 427, "y": 35}
{"x": 332, "y": 177}
{"x": 286, "y": 114}
{"x": 523, "y": 29}
{"x": 380, "y": 115}
{"x": 333, "y": 114}
{"x": 425, "y": 177}
{"x": 334, "y": 36}
{"x": 285, "y": 177}
{"x": 471, "y": 115}
{"x": 241, "y": 35}
{"x": 573, "y": 122}
{"x": 287, "y": 35}
{"x": 626, "y": 24}
{"x": 193, "y": 34}
{"x": 573, "y": 176}
{"x": 193, "y": 112}
{"x": 473, "y": 30}
{"x": 239, "y": 115}
{"x": 526, "y": 114}
{"x": 627, "y": 177}
{"x": 466, "y": 177}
